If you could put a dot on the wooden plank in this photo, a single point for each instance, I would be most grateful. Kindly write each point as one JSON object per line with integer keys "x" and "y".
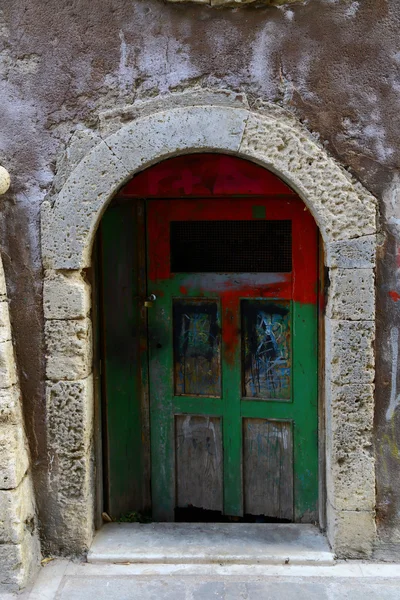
{"x": 199, "y": 461}
{"x": 99, "y": 448}
{"x": 268, "y": 468}
{"x": 128, "y": 479}
{"x": 197, "y": 358}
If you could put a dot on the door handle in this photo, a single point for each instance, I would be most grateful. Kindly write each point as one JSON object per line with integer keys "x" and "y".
{"x": 148, "y": 303}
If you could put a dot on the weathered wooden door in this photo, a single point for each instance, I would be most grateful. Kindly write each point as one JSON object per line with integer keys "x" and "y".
{"x": 233, "y": 357}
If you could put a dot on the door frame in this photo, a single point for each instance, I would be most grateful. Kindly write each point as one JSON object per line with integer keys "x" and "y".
{"x": 346, "y": 215}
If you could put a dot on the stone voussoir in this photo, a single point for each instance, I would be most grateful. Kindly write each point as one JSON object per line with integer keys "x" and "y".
{"x": 82, "y": 199}
{"x": 339, "y": 210}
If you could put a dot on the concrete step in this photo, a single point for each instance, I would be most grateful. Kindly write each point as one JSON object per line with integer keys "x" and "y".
{"x": 226, "y": 543}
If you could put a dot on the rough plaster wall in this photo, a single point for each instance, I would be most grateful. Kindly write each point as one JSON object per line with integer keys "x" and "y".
{"x": 334, "y": 63}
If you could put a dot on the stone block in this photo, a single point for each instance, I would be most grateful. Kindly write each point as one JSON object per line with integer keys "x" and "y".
{"x": 352, "y": 534}
{"x": 69, "y": 349}
{"x": 14, "y": 458}
{"x": 359, "y": 253}
{"x": 8, "y": 373}
{"x": 66, "y": 296}
{"x": 5, "y": 327}
{"x": 111, "y": 120}
{"x": 3, "y": 288}
{"x": 349, "y": 439}
{"x": 75, "y": 528}
{"x": 341, "y": 211}
{"x": 68, "y": 225}
{"x": 351, "y": 295}
{"x": 17, "y": 512}
{"x": 349, "y": 352}
{"x": 70, "y": 416}
{"x": 19, "y": 563}
{"x": 10, "y": 405}
{"x": 167, "y": 133}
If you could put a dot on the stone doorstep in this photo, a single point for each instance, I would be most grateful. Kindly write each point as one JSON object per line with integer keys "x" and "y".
{"x": 197, "y": 543}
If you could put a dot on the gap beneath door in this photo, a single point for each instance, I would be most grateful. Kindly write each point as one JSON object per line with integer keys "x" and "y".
{"x": 234, "y": 543}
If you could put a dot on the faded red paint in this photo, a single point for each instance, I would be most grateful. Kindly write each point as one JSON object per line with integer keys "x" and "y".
{"x": 300, "y": 285}
{"x": 202, "y": 176}
{"x": 395, "y": 296}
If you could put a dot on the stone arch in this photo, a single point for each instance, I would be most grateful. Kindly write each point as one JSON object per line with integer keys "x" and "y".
{"x": 346, "y": 216}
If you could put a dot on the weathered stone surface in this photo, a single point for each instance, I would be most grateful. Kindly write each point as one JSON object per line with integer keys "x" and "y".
{"x": 349, "y": 351}
{"x": 75, "y": 529}
{"x": 359, "y": 253}
{"x": 3, "y": 289}
{"x": 81, "y": 143}
{"x": 351, "y": 294}
{"x": 341, "y": 208}
{"x": 113, "y": 119}
{"x": 5, "y": 328}
{"x": 66, "y": 296}
{"x": 14, "y": 459}
{"x": 69, "y": 349}
{"x": 349, "y": 439}
{"x": 338, "y": 208}
{"x": 238, "y": 3}
{"x": 70, "y": 416}
{"x": 67, "y": 228}
{"x": 17, "y": 513}
{"x": 19, "y": 562}
{"x": 8, "y": 374}
{"x": 69, "y": 434}
{"x": 351, "y": 533}
{"x": 10, "y": 405}
{"x": 173, "y": 132}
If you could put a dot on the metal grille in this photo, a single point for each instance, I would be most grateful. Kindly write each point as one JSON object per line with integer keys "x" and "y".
{"x": 231, "y": 246}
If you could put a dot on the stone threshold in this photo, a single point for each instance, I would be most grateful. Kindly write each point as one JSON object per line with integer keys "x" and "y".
{"x": 200, "y": 543}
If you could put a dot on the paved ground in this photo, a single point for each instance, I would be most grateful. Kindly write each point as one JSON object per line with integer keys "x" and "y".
{"x": 66, "y": 580}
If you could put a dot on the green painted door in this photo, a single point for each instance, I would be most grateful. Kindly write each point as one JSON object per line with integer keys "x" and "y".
{"x": 233, "y": 358}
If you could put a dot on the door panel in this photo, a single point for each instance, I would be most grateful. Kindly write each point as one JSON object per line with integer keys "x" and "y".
{"x": 266, "y": 348}
{"x": 199, "y": 473}
{"x": 268, "y": 468}
{"x": 197, "y": 347}
{"x": 232, "y": 349}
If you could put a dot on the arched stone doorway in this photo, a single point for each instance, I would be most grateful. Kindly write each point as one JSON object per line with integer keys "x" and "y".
{"x": 346, "y": 216}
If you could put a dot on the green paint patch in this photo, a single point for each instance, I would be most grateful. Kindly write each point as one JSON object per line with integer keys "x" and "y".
{"x": 258, "y": 212}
